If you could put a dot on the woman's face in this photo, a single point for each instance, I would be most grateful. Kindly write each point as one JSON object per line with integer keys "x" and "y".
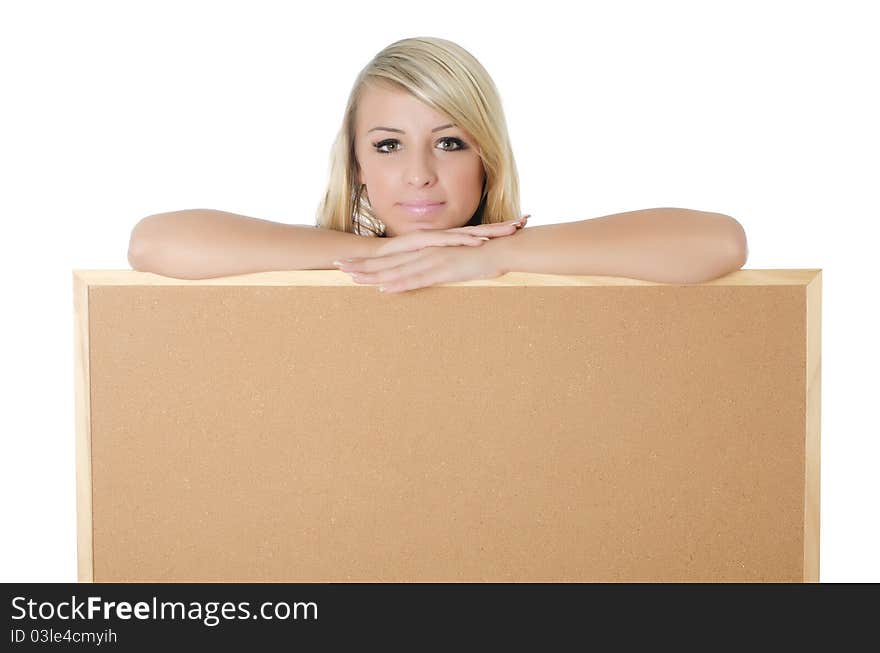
{"x": 403, "y": 157}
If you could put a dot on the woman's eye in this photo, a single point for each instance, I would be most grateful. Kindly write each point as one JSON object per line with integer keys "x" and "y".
{"x": 379, "y": 146}
{"x": 459, "y": 145}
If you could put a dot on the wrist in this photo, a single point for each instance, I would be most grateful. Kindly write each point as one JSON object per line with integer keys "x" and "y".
{"x": 371, "y": 246}
{"x": 500, "y": 253}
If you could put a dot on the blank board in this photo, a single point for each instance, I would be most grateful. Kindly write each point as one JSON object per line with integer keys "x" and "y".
{"x": 296, "y": 426}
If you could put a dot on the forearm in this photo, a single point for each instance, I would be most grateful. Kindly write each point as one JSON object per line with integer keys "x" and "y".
{"x": 205, "y": 243}
{"x": 666, "y": 245}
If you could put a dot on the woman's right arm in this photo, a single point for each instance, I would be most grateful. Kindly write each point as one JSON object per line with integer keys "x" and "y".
{"x": 205, "y": 243}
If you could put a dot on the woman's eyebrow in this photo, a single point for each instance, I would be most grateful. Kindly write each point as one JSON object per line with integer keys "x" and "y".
{"x": 400, "y": 131}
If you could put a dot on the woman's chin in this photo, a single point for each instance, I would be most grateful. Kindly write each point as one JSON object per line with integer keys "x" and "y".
{"x": 413, "y": 225}
{"x": 409, "y": 228}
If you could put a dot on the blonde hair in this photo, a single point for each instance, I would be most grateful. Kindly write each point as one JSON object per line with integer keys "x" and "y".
{"x": 450, "y": 80}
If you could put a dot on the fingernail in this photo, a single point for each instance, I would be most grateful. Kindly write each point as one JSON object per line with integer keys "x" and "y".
{"x": 482, "y": 238}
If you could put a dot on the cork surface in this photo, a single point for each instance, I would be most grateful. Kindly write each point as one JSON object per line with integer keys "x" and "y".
{"x": 297, "y": 427}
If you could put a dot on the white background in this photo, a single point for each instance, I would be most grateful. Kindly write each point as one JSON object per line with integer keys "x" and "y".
{"x": 111, "y": 111}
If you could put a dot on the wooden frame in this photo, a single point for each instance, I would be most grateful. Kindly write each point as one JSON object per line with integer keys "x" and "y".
{"x": 295, "y": 426}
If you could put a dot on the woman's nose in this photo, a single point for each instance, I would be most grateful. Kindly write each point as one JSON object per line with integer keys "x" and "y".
{"x": 421, "y": 175}
{"x": 421, "y": 170}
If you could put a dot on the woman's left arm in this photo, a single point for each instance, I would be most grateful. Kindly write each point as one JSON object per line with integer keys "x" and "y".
{"x": 666, "y": 245}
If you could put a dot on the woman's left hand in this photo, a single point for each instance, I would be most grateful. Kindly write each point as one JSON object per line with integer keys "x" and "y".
{"x": 424, "y": 267}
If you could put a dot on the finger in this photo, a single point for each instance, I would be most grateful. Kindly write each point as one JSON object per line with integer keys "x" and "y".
{"x": 495, "y": 229}
{"x": 373, "y": 263}
{"x": 402, "y": 285}
{"x": 368, "y": 265}
{"x": 489, "y": 226}
{"x": 446, "y": 238}
{"x": 460, "y": 238}
{"x": 499, "y": 230}
{"x": 407, "y": 272}
{"x": 405, "y": 277}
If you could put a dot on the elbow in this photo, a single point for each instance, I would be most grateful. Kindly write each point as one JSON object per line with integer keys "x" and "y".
{"x": 736, "y": 244}
{"x": 151, "y": 248}
{"x": 140, "y": 246}
{"x": 138, "y": 256}
{"x": 723, "y": 230}
{"x": 733, "y": 250}
{"x": 729, "y": 251}
{"x": 148, "y": 247}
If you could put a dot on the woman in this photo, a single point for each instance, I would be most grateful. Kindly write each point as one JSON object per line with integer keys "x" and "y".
{"x": 423, "y": 166}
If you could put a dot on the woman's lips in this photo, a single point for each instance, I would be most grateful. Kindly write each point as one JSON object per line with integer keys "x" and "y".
{"x": 422, "y": 208}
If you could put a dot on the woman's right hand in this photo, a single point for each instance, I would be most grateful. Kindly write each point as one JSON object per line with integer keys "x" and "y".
{"x": 472, "y": 236}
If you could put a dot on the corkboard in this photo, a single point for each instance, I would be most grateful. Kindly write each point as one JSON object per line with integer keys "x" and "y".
{"x": 296, "y": 426}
